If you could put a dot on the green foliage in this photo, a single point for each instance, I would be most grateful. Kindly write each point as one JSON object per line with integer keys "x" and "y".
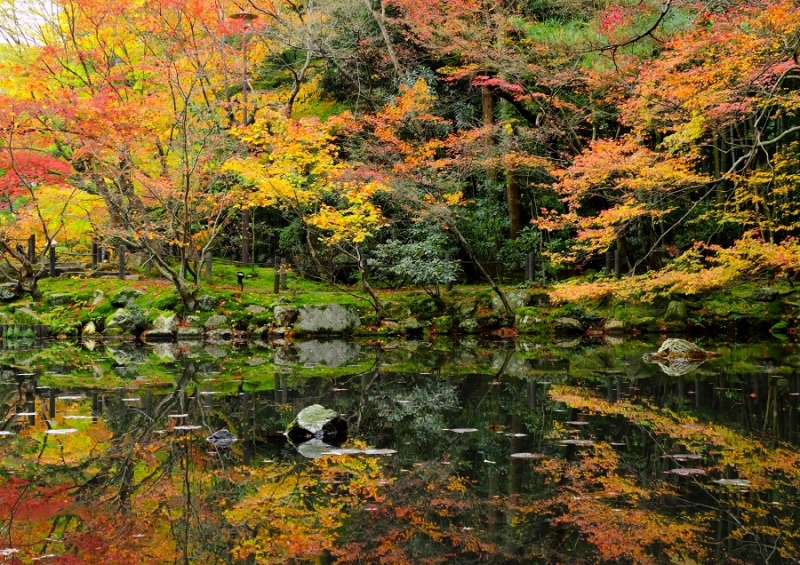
{"x": 422, "y": 263}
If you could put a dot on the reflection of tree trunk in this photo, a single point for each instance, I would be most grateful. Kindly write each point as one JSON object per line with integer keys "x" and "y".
{"x": 246, "y": 441}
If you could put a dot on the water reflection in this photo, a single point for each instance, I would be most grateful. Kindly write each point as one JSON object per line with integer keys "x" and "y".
{"x": 503, "y": 452}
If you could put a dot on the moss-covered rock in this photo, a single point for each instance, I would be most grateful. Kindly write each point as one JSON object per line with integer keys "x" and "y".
{"x": 125, "y": 297}
{"x": 529, "y": 320}
{"x": 26, "y": 316}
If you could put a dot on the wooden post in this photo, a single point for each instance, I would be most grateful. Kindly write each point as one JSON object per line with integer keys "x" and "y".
{"x": 276, "y": 287}
{"x": 95, "y": 252}
{"x": 609, "y": 261}
{"x": 617, "y": 266}
{"x": 32, "y": 248}
{"x": 530, "y": 266}
{"x": 283, "y": 273}
{"x": 52, "y": 260}
{"x": 208, "y": 269}
{"x": 121, "y": 253}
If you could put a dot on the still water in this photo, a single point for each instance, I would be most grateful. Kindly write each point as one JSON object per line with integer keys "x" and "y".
{"x": 455, "y": 452}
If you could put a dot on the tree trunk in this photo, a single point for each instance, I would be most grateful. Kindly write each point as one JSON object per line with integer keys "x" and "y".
{"x": 514, "y": 203}
{"x": 487, "y": 101}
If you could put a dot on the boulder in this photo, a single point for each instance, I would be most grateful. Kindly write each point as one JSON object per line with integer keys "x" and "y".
{"x": 317, "y": 423}
{"x": 89, "y": 329}
{"x": 98, "y": 296}
{"x": 516, "y": 299}
{"x": 125, "y": 297}
{"x": 410, "y": 325}
{"x": 529, "y": 320}
{"x": 9, "y": 292}
{"x": 286, "y": 315}
{"x": 676, "y": 312}
{"x": 256, "y": 309}
{"x": 125, "y": 320}
{"x": 207, "y": 303}
{"x": 60, "y": 299}
{"x": 614, "y": 327}
{"x": 26, "y": 316}
{"x": 215, "y": 321}
{"x": 764, "y": 294}
{"x": 569, "y": 325}
{"x": 327, "y": 319}
{"x": 164, "y": 327}
{"x": 469, "y": 326}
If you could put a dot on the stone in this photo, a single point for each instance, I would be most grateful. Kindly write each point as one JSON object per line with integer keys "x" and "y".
{"x": 327, "y": 319}
{"x": 9, "y": 292}
{"x": 207, "y": 303}
{"x": 286, "y": 315}
{"x": 764, "y": 294}
{"x": 516, "y": 299}
{"x": 676, "y": 312}
{"x": 256, "y": 309}
{"x": 529, "y": 320}
{"x": 89, "y": 329}
{"x": 194, "y": 321}
{"x": 60, "y": 299}
{"x": 410, "y": 325}
{"x": 26, "y": 316}
{"x": 256, "y": 361}
{"x": 125, "y": 297}
{"x": 569, "y": 325}
{"x": 285, "y": 356}
{"x": 164, "y": 328}
{"x": 125, "y": 319}
{"x": 613, "y": 326}
{"x": 190, "y": 333}
{"x": 395, "y": 310}
{"x": 261, "y": 332}
{"x": 98, "y": 296}
{"x": 314, "y": 418}
{"x": 215, "y": 321}
{"x": 469, "y": 326}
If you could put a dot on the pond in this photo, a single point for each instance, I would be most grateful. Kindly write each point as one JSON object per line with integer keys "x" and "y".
{"x": 494, "y": 451}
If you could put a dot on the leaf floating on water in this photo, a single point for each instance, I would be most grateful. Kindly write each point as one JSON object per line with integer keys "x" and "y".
{"x": 379, "y": 451}
{"x": 528, "y": 456}
{"x": 26, "y": 414}
{"x": 186, "y": 427}
{"x": 460, "y": 430}
{"x": 5, "y": 433}
{"x": 733, "y": 482}
{"x": 576, "y": 442}
{"x": 686, "y": 471}
{"x": 70, "y": 397}
{"x": 343, "y": 452}
{"x": 61, "y": 432}
{"x": 577, "y": 423}
{"x": 178, "y": 416}
{"x": 46, "y": 556}
{"x": 7, "y": 552}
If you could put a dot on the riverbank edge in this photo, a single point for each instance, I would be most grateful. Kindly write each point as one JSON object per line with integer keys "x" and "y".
{"x": 152, "y": 312}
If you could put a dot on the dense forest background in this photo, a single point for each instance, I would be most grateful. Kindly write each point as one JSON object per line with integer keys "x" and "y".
{"x": 442, "y": 140}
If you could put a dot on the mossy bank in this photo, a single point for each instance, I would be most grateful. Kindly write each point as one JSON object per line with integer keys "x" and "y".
{"x": 150, "y": 309}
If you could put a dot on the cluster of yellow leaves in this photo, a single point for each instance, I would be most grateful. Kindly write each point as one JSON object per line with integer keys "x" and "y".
{"x": 698, "y": 270}
{"x": 297, "y": 169}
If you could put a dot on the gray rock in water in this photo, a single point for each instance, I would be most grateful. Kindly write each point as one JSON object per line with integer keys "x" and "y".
{"x": 286, "y": 315}
{"x": 314, "y": 417}
{"x": 220, "y": 335}
{"x": 126, "y": 319}
{"x": 222, "y": 439}
{"x": 327, "y": 319}
{"x": 765, "y": 294}
{"x": 216, "y": 320}
{"x": 207, "y": 303}
{"x": 125, "y": 297}
{"x": 190, "y": 333}
{"x": 676, "y": 312}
